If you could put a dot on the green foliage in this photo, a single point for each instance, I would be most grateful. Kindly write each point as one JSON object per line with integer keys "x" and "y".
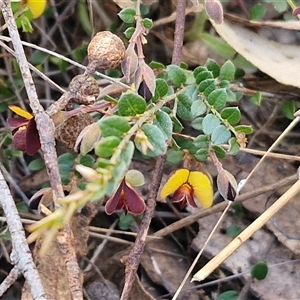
{"x": 257, "y": 11}
{"x": 36, "y": 165}
{"x": 176, "y": 75}
{"x": 131, "y": 104}
{"x": 127, "y": 15}
{"x": 259, "y": 271}
{"x": 147, "y": 23}
{"x": 113, "y": 126}
{"x": 66, "y": 163}
{"x": 288, "y": 109}
{"x": 233, "y": 230}
{"x": 228, "y": 295}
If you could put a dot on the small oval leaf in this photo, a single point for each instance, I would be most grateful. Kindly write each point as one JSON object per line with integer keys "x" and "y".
{"x": 131, "y": 104}
{"x": 209, "y": 123}
{"x": 176, "y": 75}
{"x": 260, "y": 271}
{"x": 217, "y": 98}
{"x": 220, "y": 135}
{"x": 113, "y": 126}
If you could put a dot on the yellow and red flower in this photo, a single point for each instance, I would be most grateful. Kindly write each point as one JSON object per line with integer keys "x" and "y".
{"x": 192, "y": 187}
{"x": 125, "y": 198}
{"x": 25, "y": 134}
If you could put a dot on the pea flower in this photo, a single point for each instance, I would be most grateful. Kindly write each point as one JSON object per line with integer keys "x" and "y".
{"x": 126, "y": 197}
{"x": 189, "y": 187}
{"x": 25, "y": 135}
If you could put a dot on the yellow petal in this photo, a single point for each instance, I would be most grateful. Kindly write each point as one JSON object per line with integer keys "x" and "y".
{"x": 37, "y": 7}
{"x": 177, "y": 179}
{"x": 202, "y": 187}
{"x": 21, "y": 112}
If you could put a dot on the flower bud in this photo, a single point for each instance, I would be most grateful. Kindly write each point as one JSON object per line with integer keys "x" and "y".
{"x": 87, "y": 138}
{"x": 214, "y": 10}
{"x": 227, "y": 185}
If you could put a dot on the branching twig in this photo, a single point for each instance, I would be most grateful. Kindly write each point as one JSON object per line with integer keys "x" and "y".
{"x": 132, "y": 259}
{"x": 21, "y": 255}
{"x": 46, "y": 129}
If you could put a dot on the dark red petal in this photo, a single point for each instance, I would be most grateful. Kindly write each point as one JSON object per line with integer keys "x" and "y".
{"x": 113, "y": 203}
{"x": 16, "y": 122}
{"x": 19, "y": 140}
{"x": 190, "y": 200}
{"x": 134, "y": 203}
{"x": 178, "y": 196}
{"x": 144, "y": 91}
{"x": 33, "y": 143}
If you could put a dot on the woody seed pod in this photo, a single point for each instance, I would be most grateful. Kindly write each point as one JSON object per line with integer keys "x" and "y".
{"x": 69, "y": 130}
{"x": 87, "y": 87}
{"x": 105, "y": 51}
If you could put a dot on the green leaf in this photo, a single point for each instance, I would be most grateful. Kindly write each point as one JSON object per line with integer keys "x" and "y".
{"x": 161, "y": 88}
{"x": 256, "y": 98}
{"x": 156, "y": 65}
{"x": 288, "y": 109}
{"x": 228, "y": 295}
{"x": 177, "y": 126}
{"x": 127, "y": 154}
{"x": 127, "y": 15}
{"x": 198, "y": 108}
{"x": 203, "y": 76}
{"x": 201, "y": 141}
{"x": 83, "y": 17}
{"x": 129, "y": 32}
{"x": 184, "y": 107}
{"x": 257, "y": 12}
{"x": 147, "y": 23}
{"x": 174, "y": 157}
{"x": 201, "y": 155}
{"x": 233, "y": 230}
{"x": 260, "y": 271}
{"x": 220, "y": 135}
{"x": 207, "y": 86}
{"x": 125, "y": 222}
{"x": 3, "y": 107}
{"x": 231, "y": 96}
{"x": 66, "y": 162}
{"x": 219, "y": 151}
{"x": 217, "y": 98}
{"x": 280, "y": 6}
{"x": 176, "y": 75}
{"x": 156, "y": 138}
{"x": 87, "y": 160}
{"x": 247, "y": 129}
{"x": 36, "y": 165}
{"x": 213, "y": 66}
{"x": 106, "y": 146}
{"x": 234, "y": 146}
{"x": 197, "y": 123}
{"x": 164, "y": 123}
{"x": 120, "y": 169}
{"x": 227, "y": 71}
{"x": 231, "y": 114}
{"x": 131, "y": 104}
{"x": 199, "y": 70}
{"x": 224, "y": 84}
{"x": 113, "y": 126}
{"x": 210, "y": 122}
